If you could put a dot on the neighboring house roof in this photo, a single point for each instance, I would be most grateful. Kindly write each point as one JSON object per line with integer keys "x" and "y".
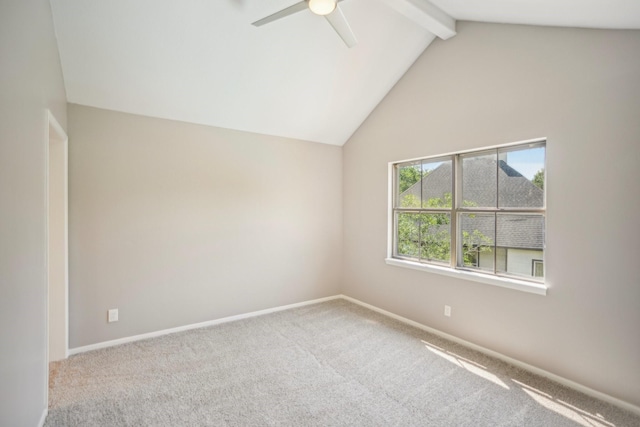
{"x": 479, "y": 183}
{"x": 514, "y": 230}
{"x": 514, "y": 190}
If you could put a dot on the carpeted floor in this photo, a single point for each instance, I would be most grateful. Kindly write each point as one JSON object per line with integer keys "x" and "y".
{"x": 328, "y": 364}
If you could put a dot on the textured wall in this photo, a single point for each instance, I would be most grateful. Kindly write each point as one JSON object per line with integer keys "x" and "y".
{"x": 495, "y": 84}
{"x": 30, "y": 82}
{"x": 174, "y": 223}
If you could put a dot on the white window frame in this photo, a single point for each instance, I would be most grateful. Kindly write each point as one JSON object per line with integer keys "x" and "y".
{"x": 453, "y": 270}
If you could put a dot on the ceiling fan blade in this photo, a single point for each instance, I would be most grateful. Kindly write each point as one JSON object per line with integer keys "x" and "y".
{"x": 300, "y": 6}
{"x": 340, "y": 24}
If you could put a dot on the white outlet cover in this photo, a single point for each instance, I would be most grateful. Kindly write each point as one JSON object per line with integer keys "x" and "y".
{"x": 447, "y": 310}
{"x": 113, "y": 315}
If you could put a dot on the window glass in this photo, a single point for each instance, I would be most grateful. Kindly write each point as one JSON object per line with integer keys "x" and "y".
{"x": 479, "y": 186}
{"x": 408, "y": 187}
{"x": 437, "y": 184}
{"x": 538, "y": 268}
{"x": 521, "y": 178}
{"x": 424, "y": 236}
{"x": 522, "y": 238}
{"x": 408, "y": 231}
{"x": 477, "y": 232}
{"x": 435, "y": 237}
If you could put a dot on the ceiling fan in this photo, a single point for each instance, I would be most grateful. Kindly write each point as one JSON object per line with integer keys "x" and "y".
{"x": 327, "y": 8}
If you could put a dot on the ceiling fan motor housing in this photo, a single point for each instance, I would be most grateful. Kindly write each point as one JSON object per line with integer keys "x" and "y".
{"x": 322, "y": 7}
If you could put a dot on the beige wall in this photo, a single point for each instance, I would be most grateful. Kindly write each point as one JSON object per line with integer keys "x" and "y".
{"x": 174, "y": 223}
{"x": 495, "y": 84}
{"x": 57, "y": 259}
{"x": 30, "y": 82}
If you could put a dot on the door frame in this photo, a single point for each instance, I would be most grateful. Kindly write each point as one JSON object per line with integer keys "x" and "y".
{"x": 55, "y": 134}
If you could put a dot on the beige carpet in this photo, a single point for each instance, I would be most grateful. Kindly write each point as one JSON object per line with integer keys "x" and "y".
{"x": 329, "y": 364}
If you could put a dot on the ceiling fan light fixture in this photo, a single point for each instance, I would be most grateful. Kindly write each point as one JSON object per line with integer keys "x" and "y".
{"x": 322, "y": 7}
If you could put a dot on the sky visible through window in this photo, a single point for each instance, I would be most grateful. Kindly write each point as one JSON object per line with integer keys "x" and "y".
{"x": 527, "y": 162}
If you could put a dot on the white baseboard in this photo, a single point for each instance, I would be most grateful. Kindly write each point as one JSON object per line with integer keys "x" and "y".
{"x": 105, "y": 344}
{"x": 43, "y": 417}
{"x": 561, "y": 380}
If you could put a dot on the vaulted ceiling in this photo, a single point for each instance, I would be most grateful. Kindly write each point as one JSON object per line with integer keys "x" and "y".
{"x": 201, "y": 61}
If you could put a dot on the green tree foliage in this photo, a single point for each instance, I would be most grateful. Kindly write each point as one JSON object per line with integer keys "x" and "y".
{"x": 427, "y": 236}
{"x": 473, "y": 244}
{"x": 409, "y": 175}
{"x": 538, "y": 179}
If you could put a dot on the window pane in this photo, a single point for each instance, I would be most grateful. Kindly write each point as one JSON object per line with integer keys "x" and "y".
{"x": 538, "y": 268}
{"x": 479, "y": 188}
{"x": 437, "y": 183}
{"x": 501, "y": 259}
{"x": 521, "y": 178}
{"x": 424, "y": 236}
{"x": 477, "y": 231}
{"x": 426, "y": 184}
{"x": 435, "y": 237}
{"x": 521, "y": 236}
{"x": 408, "y": 186}
{"x": 408, "y": 232}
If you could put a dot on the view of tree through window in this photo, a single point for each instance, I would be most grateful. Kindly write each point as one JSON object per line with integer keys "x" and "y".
{"x": 491, "y": 221}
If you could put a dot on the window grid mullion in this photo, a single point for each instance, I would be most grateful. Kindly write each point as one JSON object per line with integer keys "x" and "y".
{"x": 453, "y": 246}
{"x": 495, "y": 216}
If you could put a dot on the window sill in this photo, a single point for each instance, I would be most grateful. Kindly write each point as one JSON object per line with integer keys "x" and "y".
{"x": 519, "y": 285}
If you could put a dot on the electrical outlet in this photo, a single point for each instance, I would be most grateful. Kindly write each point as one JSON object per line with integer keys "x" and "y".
{"x": 112, "y": 315}
{"x": 447, "y": 310}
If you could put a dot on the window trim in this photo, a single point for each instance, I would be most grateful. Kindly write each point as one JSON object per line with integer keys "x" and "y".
{"x": 531, "y": 286}
{"x": 501, "y": 281}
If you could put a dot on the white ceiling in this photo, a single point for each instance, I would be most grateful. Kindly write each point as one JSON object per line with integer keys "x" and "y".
{"x": 201, "y": 61}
